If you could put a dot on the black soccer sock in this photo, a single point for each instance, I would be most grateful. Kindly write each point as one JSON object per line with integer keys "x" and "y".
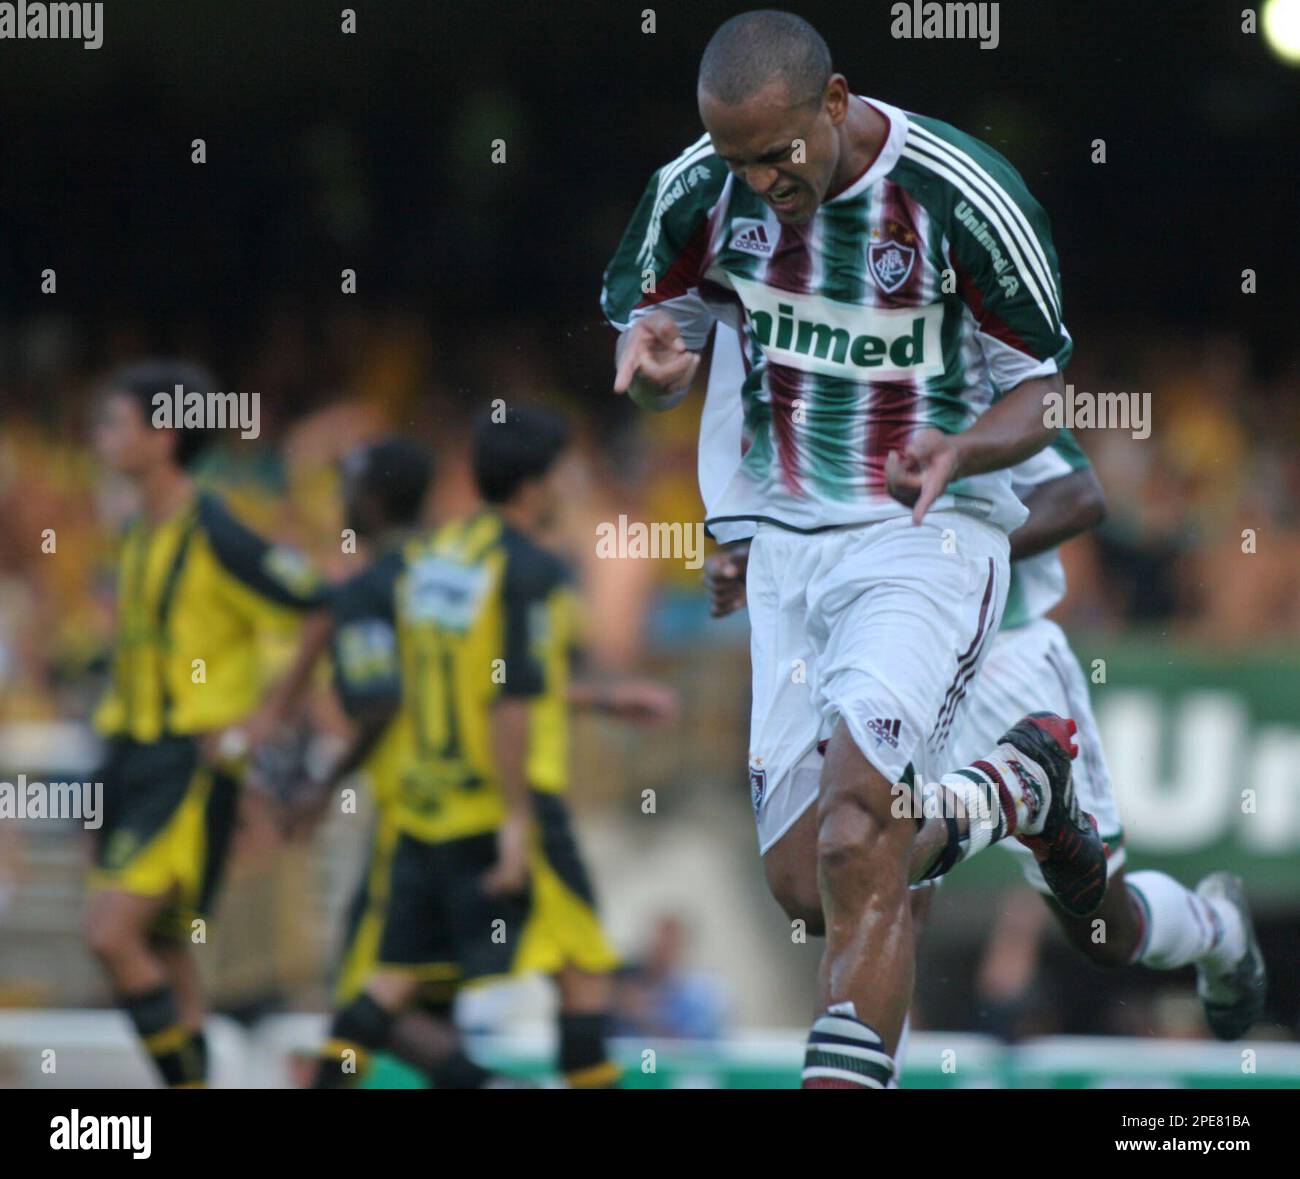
{"x": 196, "y": 1060}
{"x": 584, "y": 1058}
{"x": 456, "y": 1071}
{"x": 167, "y": 1040}
{"x": 459, "y": 1072}
{"x": 359, "y": 1030}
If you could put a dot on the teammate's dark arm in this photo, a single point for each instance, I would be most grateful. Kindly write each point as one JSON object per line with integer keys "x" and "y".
{"x": 1059, "y": 509}
{"x": 370, "y": 725}
{"x": 724, "y": 578}
{"x": 1006, "y": 433}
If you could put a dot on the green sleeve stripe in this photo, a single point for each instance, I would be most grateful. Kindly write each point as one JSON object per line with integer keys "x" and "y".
{"x": 674, "y": 205}
{"x": 987, "y": 180}
{"x": 984, "y": 225}
{"x": 666, "y": 178}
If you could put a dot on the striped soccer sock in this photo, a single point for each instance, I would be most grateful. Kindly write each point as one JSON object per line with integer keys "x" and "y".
{"x": 178, "y": 1052}
{"x": 987, "y": 801}
{"x": 1180, "y": 928}
{"x": 845, "y": 1053}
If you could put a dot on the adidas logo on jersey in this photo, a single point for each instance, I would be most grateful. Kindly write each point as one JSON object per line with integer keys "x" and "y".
{"x": 752, "y": 239}
{"x": 885, "y": 731}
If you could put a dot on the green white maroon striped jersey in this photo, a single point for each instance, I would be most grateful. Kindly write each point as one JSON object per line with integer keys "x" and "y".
{"x": 1038, "y": 582}
{"x": 911, "y": 299}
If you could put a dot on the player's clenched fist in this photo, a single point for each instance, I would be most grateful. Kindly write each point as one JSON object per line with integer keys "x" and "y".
{"x": 653, "y": 363}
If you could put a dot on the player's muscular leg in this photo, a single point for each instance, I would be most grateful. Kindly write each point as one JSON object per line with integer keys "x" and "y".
{"x": 862, "y": 862}
{"x": 116, "y": 931}
{"x": 1110, "y": 936}
{"x": 183, "y": 971}
{"x": 790, "y": 867}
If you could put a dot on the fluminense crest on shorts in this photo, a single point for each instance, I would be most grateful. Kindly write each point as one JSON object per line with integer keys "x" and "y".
{"x": 891, "y": 264}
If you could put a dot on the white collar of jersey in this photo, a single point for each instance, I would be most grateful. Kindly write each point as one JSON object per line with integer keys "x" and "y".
{"x": 890, "y": 150}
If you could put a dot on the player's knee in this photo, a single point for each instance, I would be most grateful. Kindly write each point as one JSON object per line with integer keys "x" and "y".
{"x": 108, "y": 940}
{"x": 848, "y": 831}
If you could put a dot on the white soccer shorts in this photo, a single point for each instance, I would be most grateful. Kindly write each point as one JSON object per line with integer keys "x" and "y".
{"x": 884, "y": 625}
{"x": 1031, "y": 669}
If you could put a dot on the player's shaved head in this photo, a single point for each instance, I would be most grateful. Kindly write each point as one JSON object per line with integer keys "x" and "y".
{"x": 776, "y": 113}
{"x": 754, "y": 49}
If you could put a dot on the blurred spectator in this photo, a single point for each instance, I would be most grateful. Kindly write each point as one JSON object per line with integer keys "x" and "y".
{"x": 659, "y": 998}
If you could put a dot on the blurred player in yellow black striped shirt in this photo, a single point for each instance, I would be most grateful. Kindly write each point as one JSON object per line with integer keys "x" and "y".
{"x": 195, "y": 590}
{"x": 486, "y": 878}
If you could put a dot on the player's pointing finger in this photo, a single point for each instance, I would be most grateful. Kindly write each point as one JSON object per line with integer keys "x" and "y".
{"x": 629, "y": 363}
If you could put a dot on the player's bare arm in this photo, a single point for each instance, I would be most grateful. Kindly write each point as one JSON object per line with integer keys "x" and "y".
{"x": 636, "y": 700}
{"x": 653, "y": 366}
{"x": 1009, "y": 431}
{"x": 1059, "y": 509}
{"x": 510, "y": 721}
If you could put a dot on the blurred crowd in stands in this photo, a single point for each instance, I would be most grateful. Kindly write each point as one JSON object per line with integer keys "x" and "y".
{"x": 1202, "y": 540}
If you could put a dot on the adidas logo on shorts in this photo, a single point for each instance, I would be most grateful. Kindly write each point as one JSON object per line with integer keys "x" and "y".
{"x": 885, "y": 731}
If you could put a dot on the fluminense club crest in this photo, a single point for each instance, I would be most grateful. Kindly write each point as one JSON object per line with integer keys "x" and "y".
{"x": 891, "y": 263}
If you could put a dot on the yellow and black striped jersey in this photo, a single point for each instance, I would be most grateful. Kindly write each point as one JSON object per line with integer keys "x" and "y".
{"x": 194, "y": 593}
{"x": 479, "y": 611}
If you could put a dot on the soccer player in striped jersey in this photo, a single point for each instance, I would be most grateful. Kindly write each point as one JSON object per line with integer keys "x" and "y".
{"x": 1147, "y": 917}
{"x": 195, "y": 589}
{"x": 896, "y": 289}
